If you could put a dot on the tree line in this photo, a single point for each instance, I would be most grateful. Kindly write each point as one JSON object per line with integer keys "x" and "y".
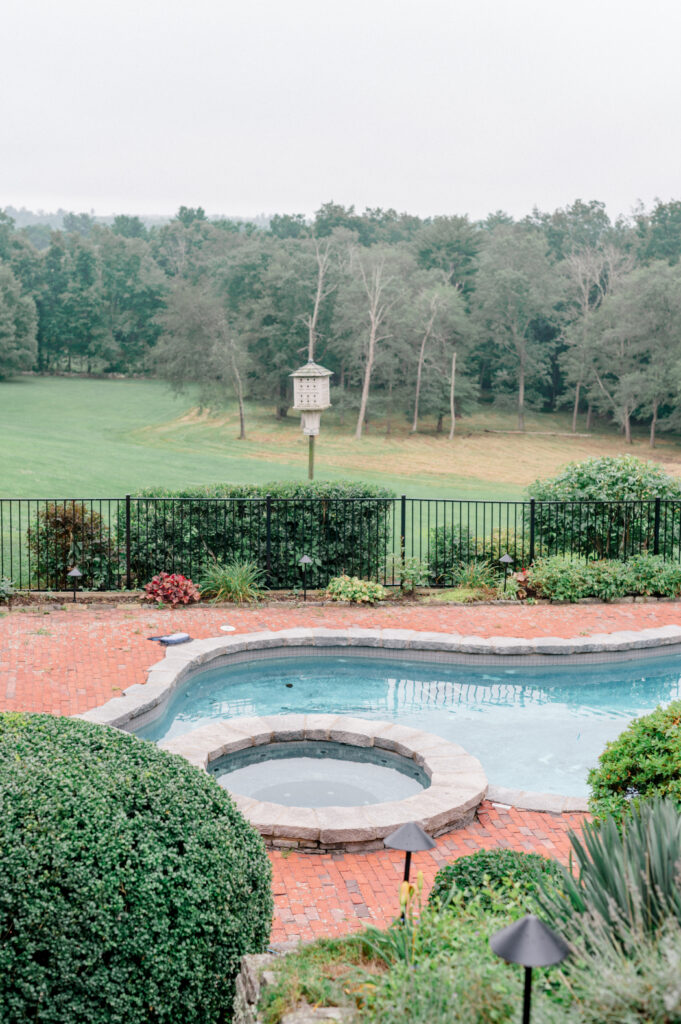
{"x": 418, "y": 318}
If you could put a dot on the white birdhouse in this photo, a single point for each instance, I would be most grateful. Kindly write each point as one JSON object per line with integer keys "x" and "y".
{"x": 311, "y": 395}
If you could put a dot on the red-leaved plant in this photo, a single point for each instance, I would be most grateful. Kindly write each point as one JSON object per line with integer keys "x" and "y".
{"x": 172, "y": 589}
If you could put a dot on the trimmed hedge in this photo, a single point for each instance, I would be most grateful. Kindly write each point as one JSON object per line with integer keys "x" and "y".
{"x": 131, "y": 885}
{"x": 497, "y": 870}
{"x": 342, "y": 527}
{"x": 643, "y": 762}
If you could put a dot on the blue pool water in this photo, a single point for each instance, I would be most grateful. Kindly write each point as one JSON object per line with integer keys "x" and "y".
{"x": 537, "y": 728}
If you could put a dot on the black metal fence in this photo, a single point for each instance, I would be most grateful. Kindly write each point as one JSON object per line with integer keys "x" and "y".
{"x": 120, "y": 543}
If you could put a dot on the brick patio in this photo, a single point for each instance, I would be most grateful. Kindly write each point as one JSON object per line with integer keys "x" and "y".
{"x": 67, "y": 661}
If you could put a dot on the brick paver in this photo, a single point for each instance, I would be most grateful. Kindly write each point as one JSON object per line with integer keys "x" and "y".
{"x": 67, "y": 661}
{"x": 336, "y": 894}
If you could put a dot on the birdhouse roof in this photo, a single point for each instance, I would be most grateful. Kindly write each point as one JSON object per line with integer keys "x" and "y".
{"x": 311, "y": 369}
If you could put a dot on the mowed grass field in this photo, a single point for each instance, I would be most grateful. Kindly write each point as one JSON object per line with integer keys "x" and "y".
{"x": 72, "y": 437}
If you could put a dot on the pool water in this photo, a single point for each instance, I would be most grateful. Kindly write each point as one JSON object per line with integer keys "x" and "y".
{"x": 536, "y": 728}
{"x": 319, "y": 774}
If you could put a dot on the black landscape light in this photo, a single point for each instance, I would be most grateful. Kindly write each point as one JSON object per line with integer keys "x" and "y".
{"x": 412, "y": 839}
{"x": 506, "y": 560}
{"x": 75, "y": 574}
{"x": 530, "y": 943}
{"x": 303, "y": 563}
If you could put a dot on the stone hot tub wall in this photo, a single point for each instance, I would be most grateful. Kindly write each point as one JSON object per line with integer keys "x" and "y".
{"x": 457, "y": 781}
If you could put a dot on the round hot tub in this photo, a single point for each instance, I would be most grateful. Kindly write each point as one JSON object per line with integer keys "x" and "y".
{"x": 322, "y": 783}
{"x": 319, "y": 773}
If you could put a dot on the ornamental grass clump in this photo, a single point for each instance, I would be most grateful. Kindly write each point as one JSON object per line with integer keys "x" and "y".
{"x": 236, "y": 581}
{"x": 627, "y": 879}
{"x": 131, "y": 884}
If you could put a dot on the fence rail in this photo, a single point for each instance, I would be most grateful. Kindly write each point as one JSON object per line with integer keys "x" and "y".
{"x": 120, "y": 543}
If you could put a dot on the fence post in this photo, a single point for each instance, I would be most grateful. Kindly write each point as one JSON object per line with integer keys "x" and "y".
{"x": 268, "y": 537}
{"x": 656, "y": 528}
{"x": 403, "y": 528}
{"x": 128, "y": 573}
{"x": 532, "y": 519}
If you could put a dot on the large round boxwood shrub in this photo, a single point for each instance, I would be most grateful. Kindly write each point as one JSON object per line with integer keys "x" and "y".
{"x": 643, "y": 762}
{"x": 130, "y": 885}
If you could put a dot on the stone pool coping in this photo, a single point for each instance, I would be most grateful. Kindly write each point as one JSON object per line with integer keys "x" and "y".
{"x": 458, "y": 784}
{"x": 142, "y": 702}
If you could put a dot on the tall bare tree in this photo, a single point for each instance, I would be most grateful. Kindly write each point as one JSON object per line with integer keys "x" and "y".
{"x": 591, "y": 273}
{"x": 323, "y": 250}
{"x": 376, "y": 274}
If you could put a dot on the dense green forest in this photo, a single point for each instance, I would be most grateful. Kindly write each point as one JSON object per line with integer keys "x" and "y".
{"x": 417, "y": 318}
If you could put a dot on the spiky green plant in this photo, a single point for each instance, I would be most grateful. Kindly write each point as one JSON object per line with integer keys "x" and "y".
{"x": 476, "y": 575}
{"x": 235, "y": 581}
{"x": 629, "y": 877}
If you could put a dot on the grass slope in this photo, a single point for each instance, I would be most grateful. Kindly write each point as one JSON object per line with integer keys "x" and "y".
{"x": 72, "y": 437}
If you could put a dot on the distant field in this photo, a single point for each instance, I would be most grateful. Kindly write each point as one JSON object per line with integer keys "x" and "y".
{"x": 69, "y": 437}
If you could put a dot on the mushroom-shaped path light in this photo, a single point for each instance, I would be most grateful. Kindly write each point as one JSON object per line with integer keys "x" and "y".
{"x": 311, "y": 396}
{"x": 531, "y": 943}
{"x": 506, "y": 561}
{"x": 412, "y": 839}
{"x": 303, "y": 563}
{"x": 74, "y": 575}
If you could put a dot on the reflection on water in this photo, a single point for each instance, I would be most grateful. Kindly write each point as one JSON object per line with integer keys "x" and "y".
{"x": 538, "y": 728}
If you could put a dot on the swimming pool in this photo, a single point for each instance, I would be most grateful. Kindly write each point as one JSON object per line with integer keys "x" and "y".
{"x": 534, "y": 728}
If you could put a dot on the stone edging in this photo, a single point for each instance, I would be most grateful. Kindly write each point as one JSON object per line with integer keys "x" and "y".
{"x": 458, "y": 783}
{"x": 259, "y": 971}
{"x": 141, "y": 701}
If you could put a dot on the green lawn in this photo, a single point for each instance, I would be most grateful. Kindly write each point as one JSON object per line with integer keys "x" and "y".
{"x": 73, "y": 437}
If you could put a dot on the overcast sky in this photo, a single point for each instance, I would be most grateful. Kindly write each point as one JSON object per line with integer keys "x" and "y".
{"x": 429, "y": 106}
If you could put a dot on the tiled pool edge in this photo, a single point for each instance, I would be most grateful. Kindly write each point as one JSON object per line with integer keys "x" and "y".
{"x": 457, "y": 781}
{"x": 142, "y": 701}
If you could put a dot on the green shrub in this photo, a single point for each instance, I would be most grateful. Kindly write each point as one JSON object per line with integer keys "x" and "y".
{"x": 63, "y": 534}
{"x": 563, "y": 578}
{"x": 624, "y": 525}
{"x": 408, "y": 574}
{"x": 7, "y": 590}
{"x": 131, "y": 885}
{"x": 629, "y": 875}
{"x": 450, "y": 544}
{"x": 644, "y": 761}
{"x": 560, "y": 578}
{"x": 342, "y": 527}
{"x": 351, "y": 588}
{"x": 567, "y": 578}
{"x": 487, "y": 871}
{"x": 239, "y": 582}
{"x": 651, "y": 574}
